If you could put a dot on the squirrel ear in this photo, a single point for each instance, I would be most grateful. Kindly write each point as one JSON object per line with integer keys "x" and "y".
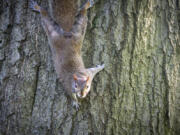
{"x": 75, "y": 77}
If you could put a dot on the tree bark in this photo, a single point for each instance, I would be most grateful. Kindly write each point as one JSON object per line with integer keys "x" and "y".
{"x": 138, "y": 92}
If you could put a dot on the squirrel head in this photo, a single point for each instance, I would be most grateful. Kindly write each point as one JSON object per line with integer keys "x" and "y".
{"x": 82, "y": 80}
{"x": 81, "y": 85}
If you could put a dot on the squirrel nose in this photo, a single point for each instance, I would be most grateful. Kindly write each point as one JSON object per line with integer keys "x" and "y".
{"x": 83, "y": 94}
{"x": 75, "y": 90}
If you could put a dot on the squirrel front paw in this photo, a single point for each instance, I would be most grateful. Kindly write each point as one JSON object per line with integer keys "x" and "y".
{"x": 34, "y": 6}
{"x": 75, "y": 104}
{"x": 100, "y": 66}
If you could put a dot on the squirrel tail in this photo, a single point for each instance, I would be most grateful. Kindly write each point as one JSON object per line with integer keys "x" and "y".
{"x": 34, "y": 6}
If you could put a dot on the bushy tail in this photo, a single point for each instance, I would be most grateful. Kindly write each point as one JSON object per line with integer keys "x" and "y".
{"x": 34, "y": 6}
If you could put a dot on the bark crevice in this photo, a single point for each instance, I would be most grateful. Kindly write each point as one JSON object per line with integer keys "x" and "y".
{"x": 138, "y": 91}
{"x": 35, "y": 87}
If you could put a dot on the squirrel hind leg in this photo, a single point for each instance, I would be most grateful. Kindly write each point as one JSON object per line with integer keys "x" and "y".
{"x": 87, "y": 5}
{"x": 34, "y": 6}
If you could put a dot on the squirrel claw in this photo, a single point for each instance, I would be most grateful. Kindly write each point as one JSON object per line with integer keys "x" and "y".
{"x": 76, "y": 105}
{"x": 34, "y": 6}
{"x": 102, "y": 66}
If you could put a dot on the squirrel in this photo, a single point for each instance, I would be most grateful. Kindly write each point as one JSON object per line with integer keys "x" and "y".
{"x": 66, "y": 52}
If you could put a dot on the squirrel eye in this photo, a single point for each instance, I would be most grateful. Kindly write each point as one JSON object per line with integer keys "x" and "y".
{"x": 87, "y": 87}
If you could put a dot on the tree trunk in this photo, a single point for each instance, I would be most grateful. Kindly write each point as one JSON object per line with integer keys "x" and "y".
{"x": 138, "y": 92}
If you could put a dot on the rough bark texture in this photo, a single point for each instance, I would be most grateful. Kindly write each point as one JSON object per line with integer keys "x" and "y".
{"x": 137, "y": 93}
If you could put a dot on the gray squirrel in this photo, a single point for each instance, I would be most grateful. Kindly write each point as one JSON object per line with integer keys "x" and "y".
{"x": 66, "y": 51}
